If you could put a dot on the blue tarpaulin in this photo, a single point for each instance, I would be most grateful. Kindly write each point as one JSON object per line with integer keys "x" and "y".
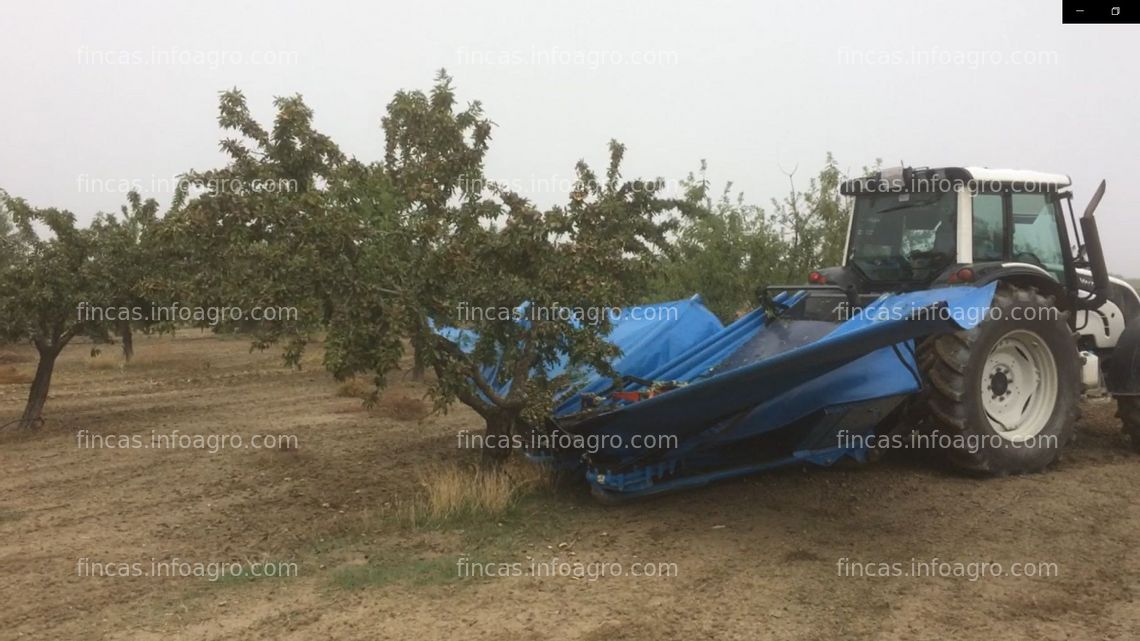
{"x": 850, "y": 375}
{"x": 649, "y": 337}
{"x": 818, "y": 365}
{"x": 743, "y": 383}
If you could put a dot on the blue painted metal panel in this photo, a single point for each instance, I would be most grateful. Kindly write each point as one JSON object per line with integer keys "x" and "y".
{"x": 736, "y": 393}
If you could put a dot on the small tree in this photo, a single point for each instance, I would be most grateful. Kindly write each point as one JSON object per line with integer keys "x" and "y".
{"x": 472, "y": 255}
{"x": 724, "y": 252}
{"x": 263, "y": 232}
{"x": 44, "y": 285}
{"x": 814, "y": 222}
{"x": 378, "y": 253}
{"x": 131, "y": 260}
{"x": 833, "y": 210}
{"x": 501, "y": 255}
{"x": 433, "y": 156}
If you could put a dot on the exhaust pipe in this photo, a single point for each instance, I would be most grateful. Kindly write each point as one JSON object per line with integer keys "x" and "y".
{"x": 1094, "y": 254}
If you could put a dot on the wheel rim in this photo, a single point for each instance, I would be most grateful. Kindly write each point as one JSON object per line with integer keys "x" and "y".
{"x": 1019, "y": 385}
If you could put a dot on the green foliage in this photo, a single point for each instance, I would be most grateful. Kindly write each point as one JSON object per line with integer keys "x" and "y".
{"x": 465, "y": 245}
{"x": 263, "y": 231}
{"x": 377, "y": 253}
{"x": 724, "y": 252}
{"x": 16, "y": 233}
{"x": 598, "y": 250}
{"x": 731, "y": 249}
{"x": 46, "y": 278}
{"x": 48, "y": 282}
{"x": 129, "y": 259}
{"x": 813, "y": 223}
{"x": 8, "y": 240}
{"x": 412, "y": 203}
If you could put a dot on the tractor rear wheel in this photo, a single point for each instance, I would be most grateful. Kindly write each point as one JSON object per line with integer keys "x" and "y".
{"x": 1004, "y": 395}
{"x": 1128, "y": 409}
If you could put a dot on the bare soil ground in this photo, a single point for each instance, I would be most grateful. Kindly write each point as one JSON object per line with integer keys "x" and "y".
{"x": 756, "y": 558}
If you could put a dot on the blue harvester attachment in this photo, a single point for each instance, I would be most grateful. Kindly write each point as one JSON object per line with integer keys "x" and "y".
{"x": 699, "y": 402}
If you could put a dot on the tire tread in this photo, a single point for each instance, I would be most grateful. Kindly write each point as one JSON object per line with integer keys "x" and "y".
{"x": 950, "y": 391}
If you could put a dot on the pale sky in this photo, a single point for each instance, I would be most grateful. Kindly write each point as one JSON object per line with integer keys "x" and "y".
{"x": 99, "y": 96}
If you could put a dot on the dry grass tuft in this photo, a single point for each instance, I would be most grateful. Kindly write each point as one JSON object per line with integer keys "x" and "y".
{"x": 11, "y": 376}
{"x": 355, "y": 388}
{"x": 452, "y": 492}
{"x": 404, "y": 408}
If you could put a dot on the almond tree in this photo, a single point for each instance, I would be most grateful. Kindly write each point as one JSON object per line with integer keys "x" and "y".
{"x": 725, "y": 252}
{"x": 262, "y": 232}
{"x": 133, "y": 258}
{"x": 71, "y": 281}
{"x": 382, "y": 252}
{"x": 730, "y": 248}
{"x": 44, "y": 282}
{"x": 433, "y": 157}
{"x": 813, "y": 222}
{"x": 466, "y": 244}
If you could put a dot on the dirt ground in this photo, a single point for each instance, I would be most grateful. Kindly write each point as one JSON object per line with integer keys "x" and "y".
{"x": 767, "y": 557}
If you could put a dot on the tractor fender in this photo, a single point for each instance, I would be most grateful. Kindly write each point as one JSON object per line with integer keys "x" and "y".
{"x": 1023, "y": 275}
{"x": 1122, "y": 372}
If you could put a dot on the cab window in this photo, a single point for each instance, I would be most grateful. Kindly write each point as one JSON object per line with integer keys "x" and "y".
{"x": 903, "y": 237}
{"x": 989, "y": 227}
{"x": 1035, "y": 237}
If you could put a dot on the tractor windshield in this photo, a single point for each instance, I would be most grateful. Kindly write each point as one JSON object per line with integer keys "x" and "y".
{"x": 903, "y": 238}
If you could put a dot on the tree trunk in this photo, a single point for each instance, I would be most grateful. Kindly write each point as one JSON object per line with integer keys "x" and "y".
{"x": 128, "y": 339}
{"x": 33, "y": 411}
{"x": 417, "y": 365}
{"x": 496, "y": 449}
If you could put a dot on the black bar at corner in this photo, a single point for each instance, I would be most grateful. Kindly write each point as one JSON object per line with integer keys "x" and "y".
{"x": 1100, "y": 12}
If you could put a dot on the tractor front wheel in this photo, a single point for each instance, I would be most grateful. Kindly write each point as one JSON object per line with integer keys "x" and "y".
{"x": 1004, "y": 395}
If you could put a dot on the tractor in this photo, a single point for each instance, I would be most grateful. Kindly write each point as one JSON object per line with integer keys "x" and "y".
{"x": 1060, "y": 326}
{"x": 972, "y": 304}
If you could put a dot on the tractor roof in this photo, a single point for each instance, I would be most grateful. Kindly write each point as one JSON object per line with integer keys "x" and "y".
{"x": 942, "y": 178}
{"x": 985, "y": 174}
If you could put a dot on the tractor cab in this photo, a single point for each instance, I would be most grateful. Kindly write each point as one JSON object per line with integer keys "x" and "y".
{"x": 915, "y": 228}
{"x": 920, "y": 228}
